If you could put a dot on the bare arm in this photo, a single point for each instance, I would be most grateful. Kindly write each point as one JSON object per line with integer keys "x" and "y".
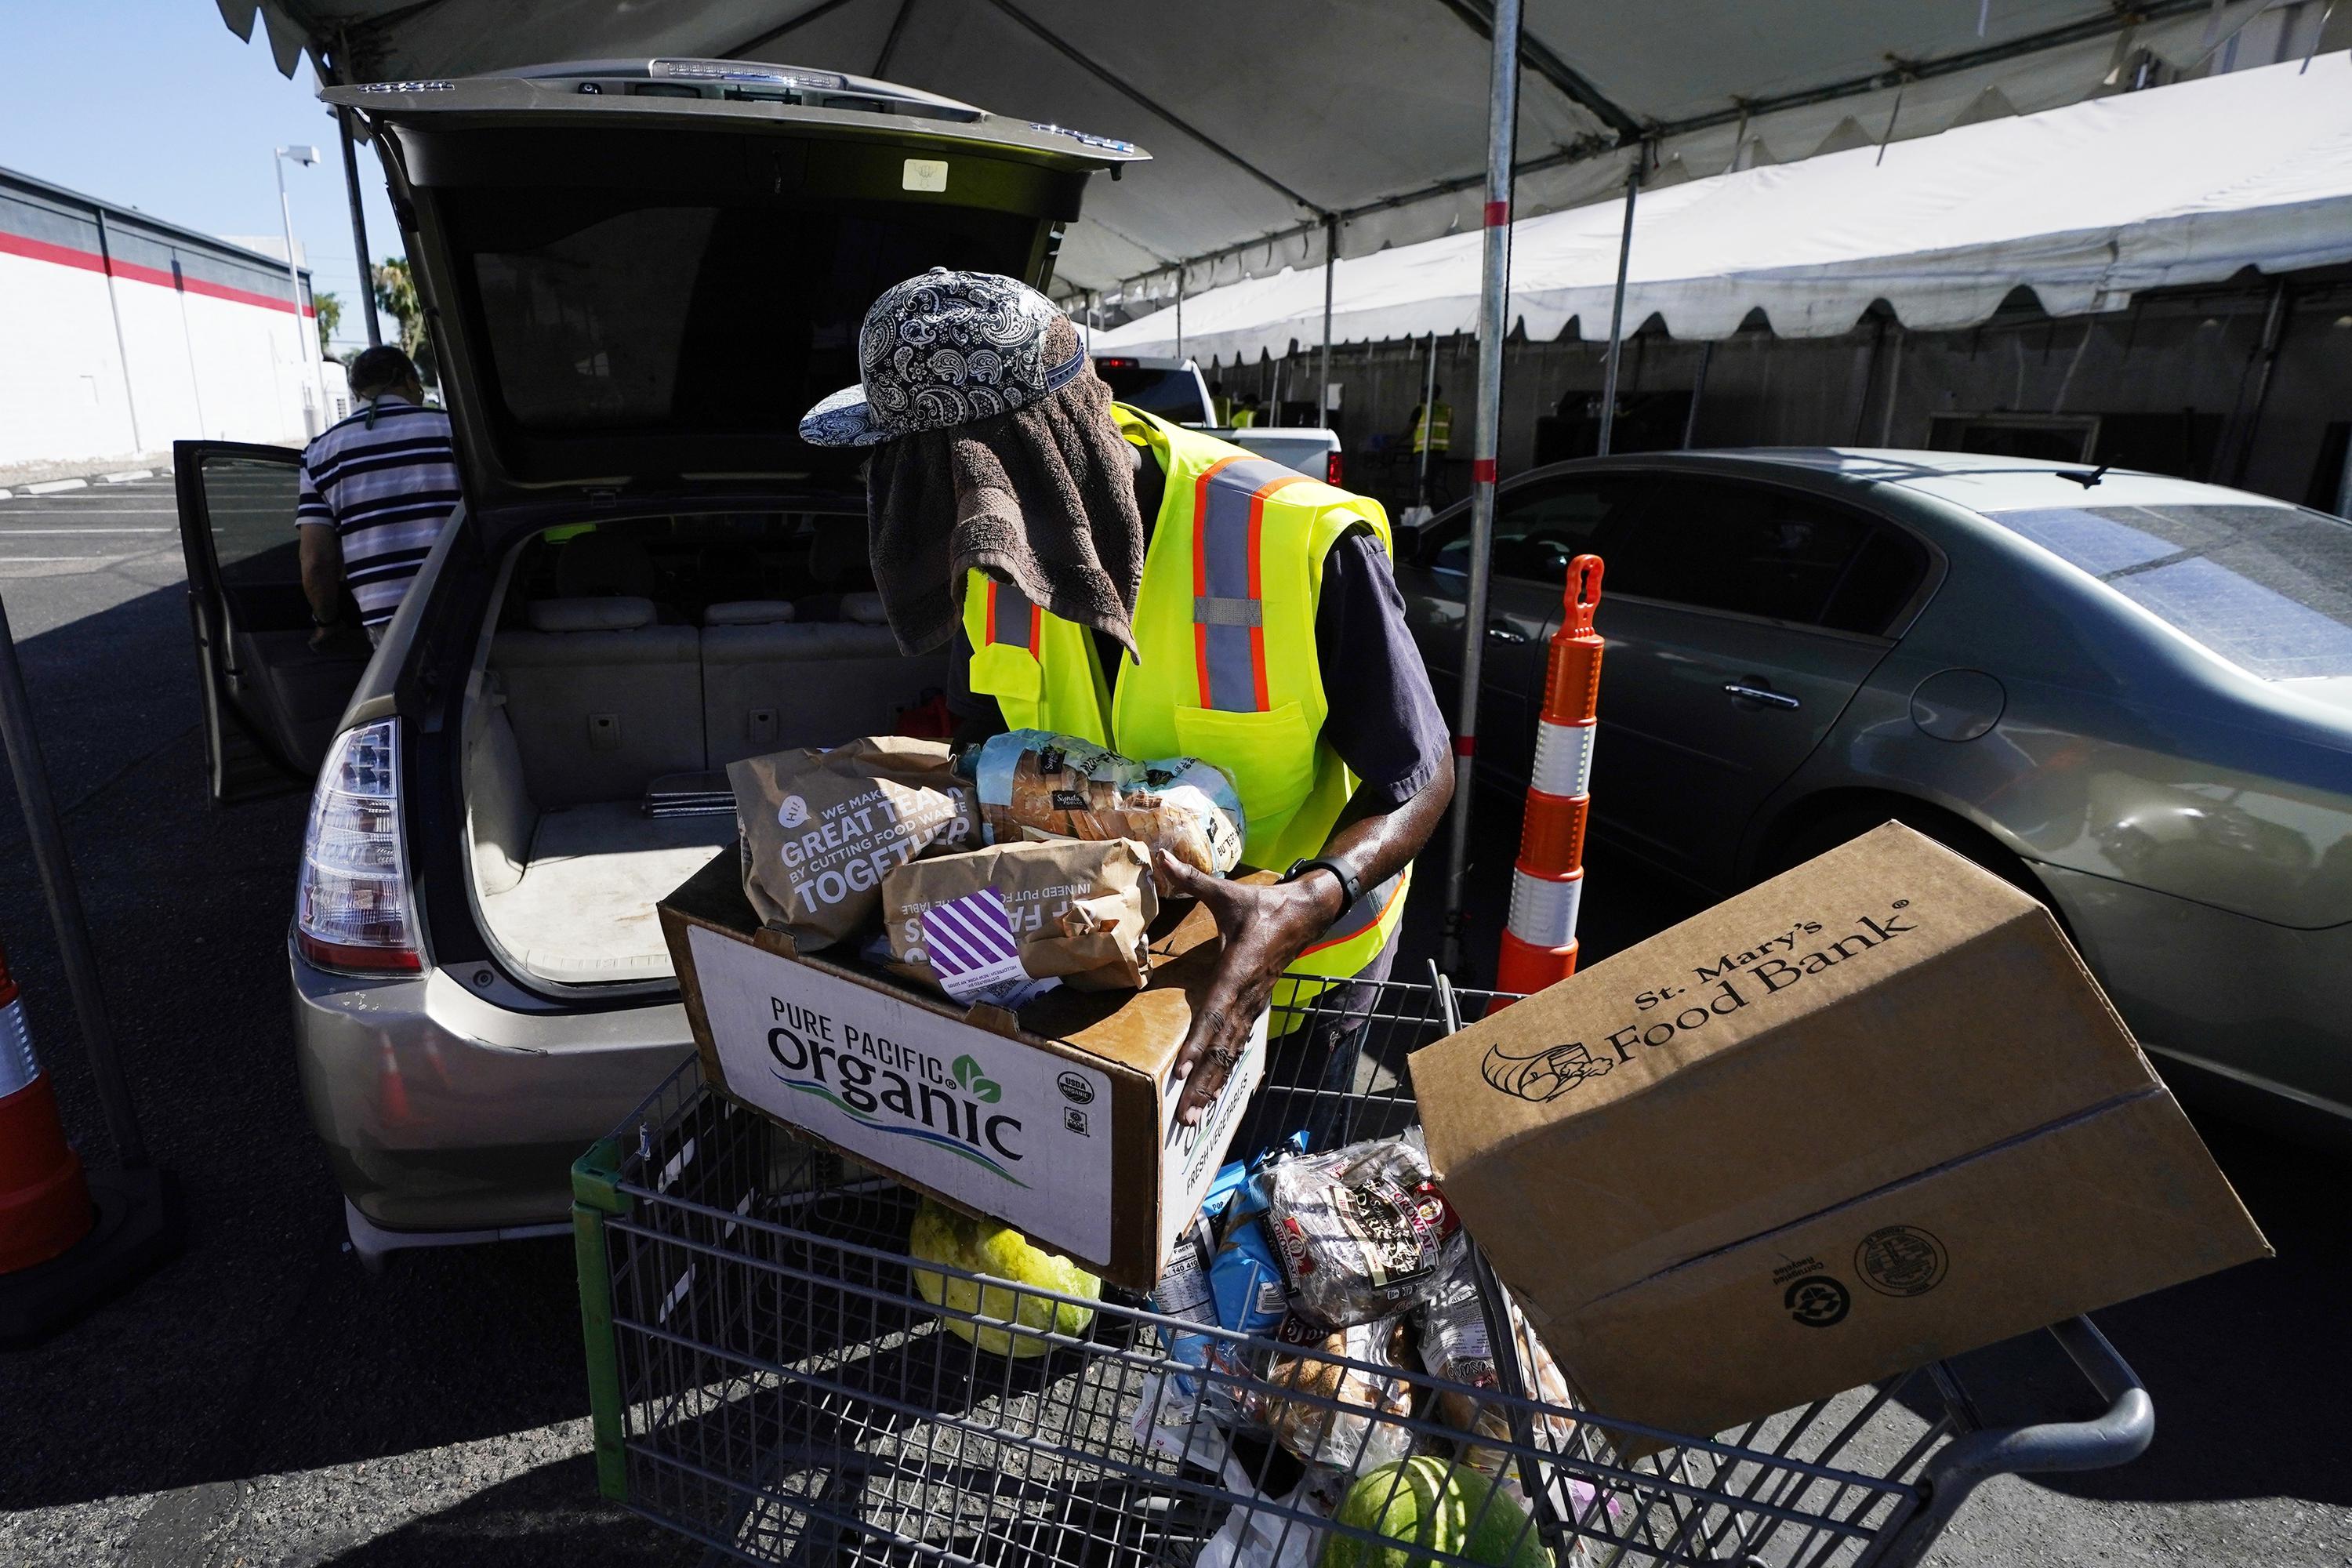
{"x": 322, "y": 575}
{"x": 1267, "y": 927}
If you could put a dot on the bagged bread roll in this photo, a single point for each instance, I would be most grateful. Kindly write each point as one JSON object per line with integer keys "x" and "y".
{"x": 820, "y": 829}
{"x": 1362, "y": 1232}
{"x": 1034, "y": 784}
{"x": 1324, "y": 1433}
{"x": 978, "y": 925}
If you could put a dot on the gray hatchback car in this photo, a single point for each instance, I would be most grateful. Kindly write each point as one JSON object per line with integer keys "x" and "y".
{"x": 2132, "y": 695}
{"x": 640, "y": 275}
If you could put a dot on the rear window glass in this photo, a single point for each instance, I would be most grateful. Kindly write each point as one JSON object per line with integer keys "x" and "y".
{"x": 1170, "y": 394}
{"x": 608, "y": 314}
{"x": 2269, "y": 588}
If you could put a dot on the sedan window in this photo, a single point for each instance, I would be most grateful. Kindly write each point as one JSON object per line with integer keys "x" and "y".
{"x": 2269, "y": 588}
{"x": 1751, "y": 550}
{"x": 1543, "y": 524}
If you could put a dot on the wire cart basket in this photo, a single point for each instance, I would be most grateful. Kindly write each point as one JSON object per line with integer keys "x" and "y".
{"x": 768, "y": 1379}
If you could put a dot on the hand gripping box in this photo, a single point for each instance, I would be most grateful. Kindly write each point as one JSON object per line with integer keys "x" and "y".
{"x": 1871, "y": 1113}
{"x": 1061, "y": 1124}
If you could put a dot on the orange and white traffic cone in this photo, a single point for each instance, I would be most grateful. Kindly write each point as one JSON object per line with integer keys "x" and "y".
{"x": 1548, "y": 881}
{"x": 45, "y": 1204}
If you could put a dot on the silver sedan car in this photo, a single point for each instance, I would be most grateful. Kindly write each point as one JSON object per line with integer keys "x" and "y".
{"x": 2130, "y": 694}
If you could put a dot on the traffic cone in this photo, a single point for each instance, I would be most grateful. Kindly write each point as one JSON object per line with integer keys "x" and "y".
{"x": 45, "y": 1204}
{"x": 1548, "y": 879}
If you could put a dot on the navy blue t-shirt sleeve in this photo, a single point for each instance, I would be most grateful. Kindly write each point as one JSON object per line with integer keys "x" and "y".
{"x": 1384, "y": 721}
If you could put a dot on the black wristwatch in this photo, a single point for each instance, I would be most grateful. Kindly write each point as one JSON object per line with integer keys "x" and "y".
{"x": 1350, "y": 888}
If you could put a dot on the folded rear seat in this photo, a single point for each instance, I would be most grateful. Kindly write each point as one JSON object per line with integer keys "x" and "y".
{"x": 770, "y": 682}
{"x": 601, "y": 697}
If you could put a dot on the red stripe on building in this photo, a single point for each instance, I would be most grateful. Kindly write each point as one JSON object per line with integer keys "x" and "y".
{"x": 42, "y": 250}
{"x": 91, "y": 261}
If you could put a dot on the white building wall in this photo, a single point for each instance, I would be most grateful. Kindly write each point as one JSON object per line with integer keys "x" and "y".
{"x": 61, "y": 387}
{"x": 170, "y": 337}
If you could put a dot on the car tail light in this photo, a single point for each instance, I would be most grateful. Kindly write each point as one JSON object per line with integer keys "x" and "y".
{"x": 355, "y": 910}
{"x": 1331, "y": 467}
{"x": 1115, "y": 365}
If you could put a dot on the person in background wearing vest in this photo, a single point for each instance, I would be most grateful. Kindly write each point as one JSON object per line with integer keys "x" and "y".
{"x": 1221, "y": 407}
{"x": 1245, "y": 416}
{"x": 377, "y": 491}
{"x": 1433, "y": 425}
{"x": 1104, "y": 573}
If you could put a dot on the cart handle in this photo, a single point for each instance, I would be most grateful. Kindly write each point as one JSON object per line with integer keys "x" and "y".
{"x": 2116, "y": 1437}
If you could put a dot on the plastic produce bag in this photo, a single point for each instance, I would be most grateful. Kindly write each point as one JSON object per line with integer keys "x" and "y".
{"x": 1254, "y": 1537}
{"x": 1362, "y": 1232}
{"x": 1455, "y": 1345}
{"x": 1035, "y": 784}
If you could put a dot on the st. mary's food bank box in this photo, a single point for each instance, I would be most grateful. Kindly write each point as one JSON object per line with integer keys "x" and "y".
{"x": 1869, "y": 1114}
{"x": 1062, "y": 1123}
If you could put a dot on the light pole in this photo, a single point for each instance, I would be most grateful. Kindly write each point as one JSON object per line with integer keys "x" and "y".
{"x": 314, "y": 412}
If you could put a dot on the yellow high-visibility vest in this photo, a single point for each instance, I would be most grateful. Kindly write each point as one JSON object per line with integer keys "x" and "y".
{"x": 1432, "y": 429}
{"x": 1229, "y": 672}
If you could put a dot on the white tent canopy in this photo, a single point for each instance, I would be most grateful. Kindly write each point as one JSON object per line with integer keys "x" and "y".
{"x": 1272, "y": 124}
{"x": 2083, "y": 204}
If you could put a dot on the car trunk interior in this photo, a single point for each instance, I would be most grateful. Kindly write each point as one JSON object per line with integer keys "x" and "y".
{"x": 629, "y": 663}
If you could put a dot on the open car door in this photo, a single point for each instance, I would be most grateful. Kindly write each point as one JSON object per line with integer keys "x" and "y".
{"x": 271, "y": 701}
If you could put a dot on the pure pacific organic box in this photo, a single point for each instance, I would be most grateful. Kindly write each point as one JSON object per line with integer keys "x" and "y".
{"x": 1871, "y": 1113}
{"x": 1064, "y": 1129}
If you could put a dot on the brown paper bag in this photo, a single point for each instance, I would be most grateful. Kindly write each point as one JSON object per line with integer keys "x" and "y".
{"x": 822, "y": 829}
{"x": 1076, "y": 912}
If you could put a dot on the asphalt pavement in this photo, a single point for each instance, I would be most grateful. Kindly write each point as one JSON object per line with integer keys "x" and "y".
{"x": 263, "y": 1401}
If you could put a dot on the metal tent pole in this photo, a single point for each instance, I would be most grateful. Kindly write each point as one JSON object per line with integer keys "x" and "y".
{"x": 1323, "y": 381}
{"x": 1180, "y": 315}
{"x": 1617, "y": 308}
{"x": 1493, "y": 314}
{"x": 1699, "y": 390}
{"x": 1428, "y": 415}
{"x": 359, "y": 229}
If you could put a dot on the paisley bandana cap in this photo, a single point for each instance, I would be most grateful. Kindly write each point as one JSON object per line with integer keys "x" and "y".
{"x": 943, "y": 350}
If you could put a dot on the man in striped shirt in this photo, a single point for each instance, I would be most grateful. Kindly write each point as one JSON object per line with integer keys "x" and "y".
{"x": 377, "y": 489}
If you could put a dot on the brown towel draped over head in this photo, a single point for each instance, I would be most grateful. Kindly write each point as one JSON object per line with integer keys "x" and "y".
{"x": 1043, "y": 499}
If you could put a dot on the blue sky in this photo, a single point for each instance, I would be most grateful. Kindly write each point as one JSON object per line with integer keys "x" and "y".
{"x": 155, "y": 104}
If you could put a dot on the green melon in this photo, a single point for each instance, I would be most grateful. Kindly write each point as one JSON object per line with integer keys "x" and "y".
{"x": 1429, "y": 1505}
{"x": 940, "y": 1235}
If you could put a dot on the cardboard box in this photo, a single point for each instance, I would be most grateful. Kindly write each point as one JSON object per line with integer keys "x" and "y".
{"x": 1064, "y": 1129}
{"x": 1868, "y": 1114}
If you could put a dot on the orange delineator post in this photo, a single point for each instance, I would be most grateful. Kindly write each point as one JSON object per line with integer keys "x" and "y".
{"x": 1548, "y": 879}
{"x": 45, "y": 1204}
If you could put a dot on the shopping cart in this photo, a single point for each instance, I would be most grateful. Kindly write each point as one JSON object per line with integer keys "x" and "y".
{"x": 767, "y": 1380}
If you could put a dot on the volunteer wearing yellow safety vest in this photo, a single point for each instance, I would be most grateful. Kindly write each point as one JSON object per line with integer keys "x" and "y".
{"x": 1109, "y": 575}
{"x": 1432, "y": 425}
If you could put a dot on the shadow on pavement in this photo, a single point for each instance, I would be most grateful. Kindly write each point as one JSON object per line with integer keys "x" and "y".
{"x": 548, "y": 1517}
{"x": 2245, "y": 1367}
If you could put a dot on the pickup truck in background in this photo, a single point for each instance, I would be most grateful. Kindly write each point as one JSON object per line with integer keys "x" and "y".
{"x": 1174, "y": 390}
